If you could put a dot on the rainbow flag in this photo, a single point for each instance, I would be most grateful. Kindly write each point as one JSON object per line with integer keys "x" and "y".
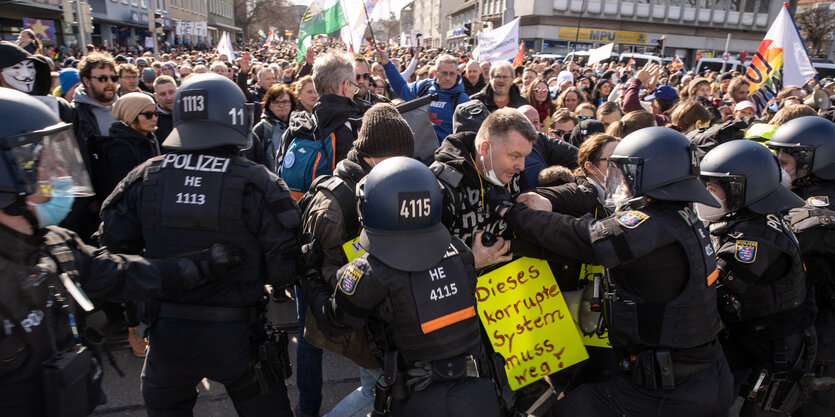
{"x": 781, "y": 59}
{"x": 261, "y": 33}
{"x": 675, "y": 65}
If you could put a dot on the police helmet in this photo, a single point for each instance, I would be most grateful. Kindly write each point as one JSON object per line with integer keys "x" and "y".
{"x": 37, "y": 151}
{"x": 400, "y": 204}
{"x": 809, "y": 139}
{"x": 209, "y": 111}
{"x": 657, "y": 162}
{"x": 750, "y": 177}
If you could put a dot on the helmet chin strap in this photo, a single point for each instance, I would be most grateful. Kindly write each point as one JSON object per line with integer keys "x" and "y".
{"x": 18, "y": 208}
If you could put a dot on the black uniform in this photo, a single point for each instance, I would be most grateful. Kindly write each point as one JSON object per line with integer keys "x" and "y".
{"x": 660, "y": 312}
{"x": 175, "y": 204}
{"x": 429, "y": 319}
{"x": 814, "y": 226}
{"x": 763, "y": 301}
{"x": 42, "y": 323}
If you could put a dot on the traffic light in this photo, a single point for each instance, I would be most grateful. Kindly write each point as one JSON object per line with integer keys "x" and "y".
{"x": 659, "y": 45}
{"x": 87, "y": 19}
{"x": 468, "y": 29}
{"x": 158, "y": 22}
{"x": 67, "y": 9}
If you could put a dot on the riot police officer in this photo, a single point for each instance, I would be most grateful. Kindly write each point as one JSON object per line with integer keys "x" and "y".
{"x": 767, "y": 312}
{"x": 807, "y": 153}
{"x": 660, "y": 272}
{"x": 203, "y": 191}
{"x": 416, "y": 283}
{"x": 49, "y": 361}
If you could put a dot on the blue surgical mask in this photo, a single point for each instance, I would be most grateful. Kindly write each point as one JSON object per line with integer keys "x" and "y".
{"x": 59, "y": 205}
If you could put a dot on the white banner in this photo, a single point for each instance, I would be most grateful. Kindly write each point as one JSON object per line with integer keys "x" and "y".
{"x": 416, "y": 38}
{"x": 499, "y": 44}
{"x": 598, "y": 54}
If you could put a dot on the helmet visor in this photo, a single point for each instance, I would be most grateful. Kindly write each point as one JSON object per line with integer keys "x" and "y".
{"x": 803, "y": 155}
{"x": 48, "y": 163}
{"x": 732, "y": 185}
{"x": 621, "y": 179}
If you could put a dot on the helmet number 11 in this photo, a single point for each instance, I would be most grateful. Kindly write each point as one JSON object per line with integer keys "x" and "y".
{"x": 237, "y": 116}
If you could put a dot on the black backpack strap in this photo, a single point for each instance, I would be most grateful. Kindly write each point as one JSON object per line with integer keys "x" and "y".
{"x": 347, "y": 200}
{"x": 423, "y": 89}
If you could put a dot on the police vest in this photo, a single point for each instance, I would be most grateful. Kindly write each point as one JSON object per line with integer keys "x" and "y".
{"x": 192, "y": 200}
{"x": 782, "y": 294}
{"x": 434, "y": 312}
{"x": 687, "y": 320}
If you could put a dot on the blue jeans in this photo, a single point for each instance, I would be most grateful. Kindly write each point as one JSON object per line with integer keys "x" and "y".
{"x": 361, "y": 400}
{"x": 308, "y": 366}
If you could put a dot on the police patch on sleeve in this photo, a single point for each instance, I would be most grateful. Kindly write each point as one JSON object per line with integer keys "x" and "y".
{"x": 818, "y": 201}
{"x": 746, "y": 251}
{"x": 349, "y": 280}
{"x": 632, "y": 218}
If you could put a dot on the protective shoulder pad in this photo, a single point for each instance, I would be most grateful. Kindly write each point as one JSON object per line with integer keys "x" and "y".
{"x": 133, "y": 176}
{"x": 807, "y": 218}
{"x": 276, "y": 194}
{"x": 624, "y": 236}
{"x": 449, "y": 175}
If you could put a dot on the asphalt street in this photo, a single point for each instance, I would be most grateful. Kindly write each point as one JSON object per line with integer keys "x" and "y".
{"x": 340, "y": 376}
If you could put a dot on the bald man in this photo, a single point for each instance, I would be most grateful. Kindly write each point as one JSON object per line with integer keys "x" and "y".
{"x": 473, "y": 78}
{"x": 532, "y": 115}
{"x": 547, "y": 151}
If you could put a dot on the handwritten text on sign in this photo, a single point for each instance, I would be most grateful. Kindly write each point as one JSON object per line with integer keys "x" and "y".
{"x": 527, "y": 320}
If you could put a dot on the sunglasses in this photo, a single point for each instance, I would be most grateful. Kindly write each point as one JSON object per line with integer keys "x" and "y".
{"x": 585, "y": 117}
{"x": 149, "y": 114}
{"x": 541, "y": 90}
{"x": 103, "y": 78}
{"x": 558, "y": 133}
{"x": 363, "y": 76}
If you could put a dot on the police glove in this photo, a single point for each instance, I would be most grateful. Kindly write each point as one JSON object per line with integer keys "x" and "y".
{"x": 498, "y": 199}
{"x": 311, "y": 263}
{"x": 218, "y": 261}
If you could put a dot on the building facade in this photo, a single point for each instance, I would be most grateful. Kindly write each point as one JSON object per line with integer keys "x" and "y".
{"x": 221, "y": 17}
{"x": 465, "y": 14}
{"x": 191, "y": 21}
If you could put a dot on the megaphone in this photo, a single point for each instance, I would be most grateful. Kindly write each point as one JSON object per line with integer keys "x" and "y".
{"x": 580, "y": 306}
{"x": 818, "y": 100}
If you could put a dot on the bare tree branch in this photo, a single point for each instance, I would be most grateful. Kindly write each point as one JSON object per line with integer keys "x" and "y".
{"x": 816, "y": 24}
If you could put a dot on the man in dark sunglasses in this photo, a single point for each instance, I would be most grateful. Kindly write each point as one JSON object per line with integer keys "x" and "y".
{"x": 364, "y": 96}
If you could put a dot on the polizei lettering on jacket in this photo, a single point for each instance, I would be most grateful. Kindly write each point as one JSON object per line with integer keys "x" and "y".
{"x": 195, "y": 162}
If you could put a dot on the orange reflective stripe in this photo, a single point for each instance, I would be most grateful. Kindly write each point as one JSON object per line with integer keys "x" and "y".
{"x": 296, "y": 195}
{"x": 712, "y": 277}
{"x": 316, "y": 164}
{"x": 333, "y": 148}
{"x": 441, "y": 322}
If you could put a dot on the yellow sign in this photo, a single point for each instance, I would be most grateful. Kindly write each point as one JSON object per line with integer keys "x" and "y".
{"x": 352, "y": 249}
{"x": 527, "y": 321}
{"x": 602, "y": 35}
{"x": 594, "y": 340}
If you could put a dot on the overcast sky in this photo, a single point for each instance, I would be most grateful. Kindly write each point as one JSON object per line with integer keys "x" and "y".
{"x": 380, "y": 11}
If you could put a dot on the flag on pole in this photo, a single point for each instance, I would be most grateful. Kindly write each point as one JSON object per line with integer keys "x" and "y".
{"x": 520, "y": 55}
{"x": 357, "y": 14}
{"x": 262, "y": 34}
{"x": 498, "y": 44}
{"x": 288, "y": 33}
{"x": 631, "y": 63}
{"x": 269, "y": 40}
{"x": 224, "y": 47}
{"x": 319, "y": 18}
{"x": 781, "y": 59}
{"x": 675, "y": 65}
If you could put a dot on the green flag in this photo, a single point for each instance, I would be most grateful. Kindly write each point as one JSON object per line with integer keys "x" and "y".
{"x": 319, "y": 19}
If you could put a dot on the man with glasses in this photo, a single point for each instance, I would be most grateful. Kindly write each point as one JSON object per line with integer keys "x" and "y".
{"x": 128, "y": 79}
{"x": 364, "y": 96}
{"x": 562, "y": 122}
{"x": 447, "y": 84}
{"x": 501, "y": 92}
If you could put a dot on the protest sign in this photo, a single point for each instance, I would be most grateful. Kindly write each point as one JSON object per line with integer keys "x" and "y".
{"x": 527, "y": 320}
{"x": 500, "y": 43}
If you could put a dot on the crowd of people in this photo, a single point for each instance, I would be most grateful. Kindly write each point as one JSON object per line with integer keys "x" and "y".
{"x": 710, "y": 216}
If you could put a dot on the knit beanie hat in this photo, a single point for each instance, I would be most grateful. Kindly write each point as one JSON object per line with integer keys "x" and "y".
{"x": 128, "y": 107}
{"x": 384, "y": 132}
{"x": 67, "y": 78}
{"x": 694, "y": 85}
{"x": 148, "y": 75}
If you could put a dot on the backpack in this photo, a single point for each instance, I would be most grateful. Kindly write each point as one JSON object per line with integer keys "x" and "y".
{"x": 305, "y": 160}
{"x": 98, "y": 149}
{"x": 272, "y": 144}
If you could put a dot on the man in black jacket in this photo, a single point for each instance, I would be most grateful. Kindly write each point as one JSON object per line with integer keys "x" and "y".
{"x": 333, "y": 76}
{"x": 501, "y": 92}
{"x": 473, "y": 78}
{"x": 364, "y": 96}
{"x": 165, "y": 88}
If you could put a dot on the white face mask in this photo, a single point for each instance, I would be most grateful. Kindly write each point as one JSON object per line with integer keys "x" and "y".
{"x": 490, "y": 175}
{"x": 786, "y": 178}
{"x": 20, "y": 76}
{"x": 711, "y": 214}
{"x": 618, "y": 199}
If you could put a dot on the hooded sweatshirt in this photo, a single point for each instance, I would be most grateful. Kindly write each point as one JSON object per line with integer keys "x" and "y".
{"x": 440, "y": 112}
{"x": 464, "y": 206}
{"x": 103, "y": 114}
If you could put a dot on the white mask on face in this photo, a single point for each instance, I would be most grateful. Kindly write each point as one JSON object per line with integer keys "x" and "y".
{"x": 711, "y": 214}
{"x": 786, "y": 178}
{"x": 490, "y": 175}
{"x": 618, "y": 199}
{"x": 20, "y": 76}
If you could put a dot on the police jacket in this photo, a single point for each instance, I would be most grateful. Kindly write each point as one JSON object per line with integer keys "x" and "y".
{"x": 179, "y": 203}
{"x": 660, "y": 268}
{"x": 440, "y": 112}
{"x": 814, "y": 224}
{"x": 33, "y": 301}
{"x": 464, "y": 190}
{"x": 486, "y": 96}
{"x": 427, "y": 315}
{"x": 128, "y": 148}
{"x": 760, "y": 264}
{"x": 326, "y": 220}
